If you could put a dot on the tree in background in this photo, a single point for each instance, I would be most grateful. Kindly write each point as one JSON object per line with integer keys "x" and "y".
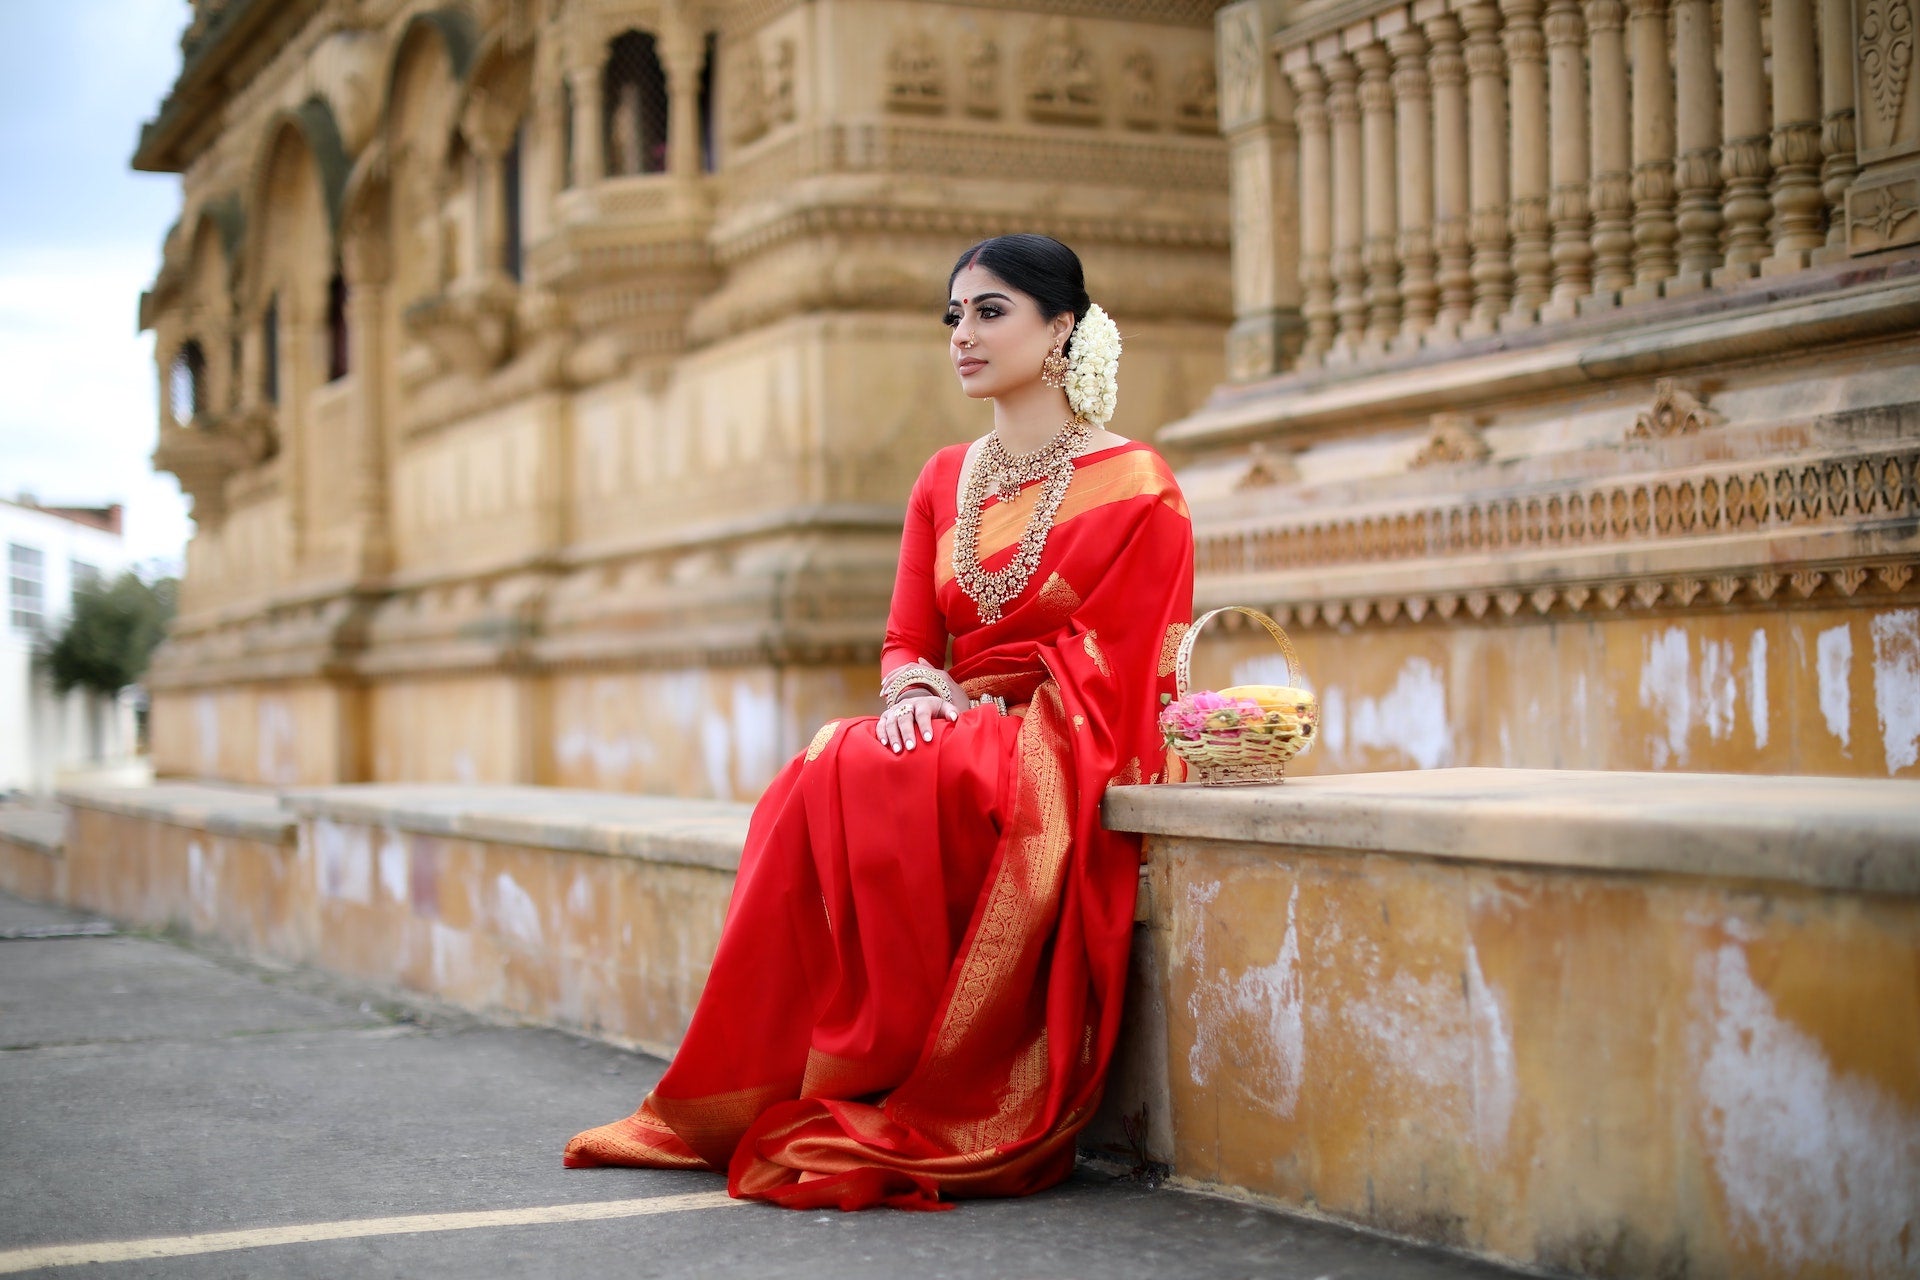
{"x": 111, "y": 634}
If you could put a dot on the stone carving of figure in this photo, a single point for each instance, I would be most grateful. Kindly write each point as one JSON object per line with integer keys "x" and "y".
{"x": 1062, "y": 83}
{"x": 981, "y": 61}
{"x": 746, "y": 96}
{"x": 781, "y": 98}
{"x": 1139, "y": 89}
{"x": 1199, "y": 100}
{"x": 916, "y": 80}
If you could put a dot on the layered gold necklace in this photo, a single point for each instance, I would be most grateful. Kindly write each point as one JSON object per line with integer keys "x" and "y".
{"x": 995, "y": 471}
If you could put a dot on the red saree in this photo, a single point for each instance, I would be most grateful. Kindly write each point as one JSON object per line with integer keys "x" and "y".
{"x": 919, "y": 983}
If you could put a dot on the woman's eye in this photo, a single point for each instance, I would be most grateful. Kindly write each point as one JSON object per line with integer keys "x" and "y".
{"x": 989, "y": 311}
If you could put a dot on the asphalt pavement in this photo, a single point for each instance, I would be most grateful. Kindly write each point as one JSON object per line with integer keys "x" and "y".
{"x": 167, "y": 1109}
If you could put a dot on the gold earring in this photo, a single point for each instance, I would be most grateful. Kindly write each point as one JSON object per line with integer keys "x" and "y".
{"x": 1053, "y": 369}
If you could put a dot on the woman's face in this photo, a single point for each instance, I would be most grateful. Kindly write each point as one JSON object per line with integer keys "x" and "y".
{"x": 997, "y": 335}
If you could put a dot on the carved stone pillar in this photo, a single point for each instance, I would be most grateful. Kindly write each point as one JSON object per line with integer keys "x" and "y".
{"x": 1653, "y": 187}
{"x": 1447, "y": 68}
{"x": 1697, "y": 127}
{"x": 1883, "y": 202}
{"x": 683, "y": 55}
{"x": 489, "y": 209}
{"x": 1382, "y": 217}
{"x": 1527, "y": 76}
{"x": 1413, "y": 135}
{"x": 1263, "y": 152}
{"x": 1487, "y": 168}
{"x": 1610, "y": 191}
{"x": 1349, "y": 210}
{"x": 1798, "y": 211}
{"x": 1745, "y": 128}
{"x": 365, "y": 262}
{"x": 1837, "y": 162}
{"x": 1567, "y": 120}
{"x": 1310, "y": 120}
{"x": 589, "y": 154}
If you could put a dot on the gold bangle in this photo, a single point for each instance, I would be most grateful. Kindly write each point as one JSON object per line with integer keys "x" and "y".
{"x": 937, "y": 682}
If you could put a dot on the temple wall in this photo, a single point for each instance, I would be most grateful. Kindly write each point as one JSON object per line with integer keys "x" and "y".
{"x": 277, "y": 733}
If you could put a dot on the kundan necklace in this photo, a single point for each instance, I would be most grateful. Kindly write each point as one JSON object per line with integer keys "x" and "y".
{"x": 997, "y": 472}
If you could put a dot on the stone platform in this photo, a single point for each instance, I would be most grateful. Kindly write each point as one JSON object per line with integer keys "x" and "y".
{"x": 1600, "y": 1024}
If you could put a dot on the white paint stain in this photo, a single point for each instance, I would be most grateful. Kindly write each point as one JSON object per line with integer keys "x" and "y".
{"x": 756, "y": 728}
{"x": 1896, "y": 685}
{"x": 1269, "y": 668}
{"x": 206, "y": 715}
{"x": 716, "y": 753}
{"x": 394, "y": 868}
{"x": 464, "y": 771}
{"x": 1413, "y": 1029}
{"x": 515, "y": 910}
{"x": 1718, "y": 688}
{"x": 1666, "y": 689}
{"x": 1757, "y": 687}
{"x": 1820, "y": 1170}
{"x": 1494, "y": 1085}
{"x": 276, "y": 745}
{"x": 202, "y": 882}
{"x": 1268, "y": 1003}
{"x": 343, "y": 861}
{"x": 452, "y": 957}
{"x": 1204, "y": 1054}
{"x": 1834, "y": 665}
{"x": 1409, "y": 719}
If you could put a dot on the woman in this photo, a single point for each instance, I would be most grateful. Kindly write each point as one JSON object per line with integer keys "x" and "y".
{"x": 919, "y": 983}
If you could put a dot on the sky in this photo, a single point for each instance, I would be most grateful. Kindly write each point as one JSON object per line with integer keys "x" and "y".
{"x": 80, "y": 237}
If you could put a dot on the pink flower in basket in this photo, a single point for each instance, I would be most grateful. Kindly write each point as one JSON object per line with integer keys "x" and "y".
{"x": 1205, "y": 711}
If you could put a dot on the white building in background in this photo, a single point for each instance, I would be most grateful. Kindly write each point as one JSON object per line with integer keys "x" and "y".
{"x": 44, "y": 740}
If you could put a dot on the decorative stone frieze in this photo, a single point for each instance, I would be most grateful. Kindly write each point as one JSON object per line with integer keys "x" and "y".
{"x": 1060, "y": 81}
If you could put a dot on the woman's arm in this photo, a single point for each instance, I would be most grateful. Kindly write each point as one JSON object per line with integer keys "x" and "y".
{"x": 916, "y": 629}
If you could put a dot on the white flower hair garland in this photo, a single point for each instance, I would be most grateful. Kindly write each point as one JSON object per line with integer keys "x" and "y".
{"x": 1093, "y": 366}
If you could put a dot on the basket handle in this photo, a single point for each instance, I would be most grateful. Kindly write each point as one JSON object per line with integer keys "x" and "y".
{"x": 1182, "y": 673}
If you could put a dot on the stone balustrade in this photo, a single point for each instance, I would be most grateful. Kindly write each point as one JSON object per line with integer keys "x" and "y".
{"x": 1610, "y": 1024}
{"x": 1462, "y": 168}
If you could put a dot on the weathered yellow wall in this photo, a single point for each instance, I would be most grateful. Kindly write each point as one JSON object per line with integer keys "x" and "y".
{"x": 1813, "y": 691}
{"x": 1612, "y": 1075}
{"x": 294, "y": 733}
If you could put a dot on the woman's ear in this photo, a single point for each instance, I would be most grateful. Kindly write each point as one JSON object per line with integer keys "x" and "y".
{"x": 1062, "y": 329}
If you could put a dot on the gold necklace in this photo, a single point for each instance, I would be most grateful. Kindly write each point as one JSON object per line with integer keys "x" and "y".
{"x": 996, "y": 471}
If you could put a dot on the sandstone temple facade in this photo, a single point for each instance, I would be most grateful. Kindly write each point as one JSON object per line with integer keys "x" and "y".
{"x": 548, "y": 377}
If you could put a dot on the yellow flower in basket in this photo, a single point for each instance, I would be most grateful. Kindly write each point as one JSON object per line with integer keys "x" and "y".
{"x": 1243, "y": 733}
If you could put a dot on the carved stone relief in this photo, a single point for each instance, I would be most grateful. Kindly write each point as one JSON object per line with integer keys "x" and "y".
{"x": 916, "y": 76}
{"x": 1451, "y": 438}
{"x": 1197, "y": 101}
{"x": 783, "y": 99}
{"x": 1243, "y": 66}
{"x": 1062, "y": 82}
{"x": 1678, "y": 409}
{"x": 981, "y": 62}
{"x": 746, "y": 95}
{"x": 1139, "y": 89}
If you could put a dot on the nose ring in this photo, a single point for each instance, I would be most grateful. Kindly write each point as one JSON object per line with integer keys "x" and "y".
{"x": 969, "y": 342}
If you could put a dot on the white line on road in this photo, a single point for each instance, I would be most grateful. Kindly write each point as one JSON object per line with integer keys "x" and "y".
{"x": 71, "y": 1255}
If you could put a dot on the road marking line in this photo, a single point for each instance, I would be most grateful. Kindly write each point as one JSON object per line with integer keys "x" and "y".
{"x": 71, "y": 1255}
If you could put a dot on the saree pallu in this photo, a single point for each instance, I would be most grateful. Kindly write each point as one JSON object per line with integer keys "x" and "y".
{"x": 919, "y": 983}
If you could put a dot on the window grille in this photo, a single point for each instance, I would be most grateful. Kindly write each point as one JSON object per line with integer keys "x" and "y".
{"x": 566, "y": 135}
{"x": 634, "y": 105}
{"x": 270, "y": 356}
{"x": 187, "y": 382}
{"x": 510, "y": 230}
{"x": 337, "y": 358}
{"x": 707, "y": 64}
{"x": 27, "y": 586}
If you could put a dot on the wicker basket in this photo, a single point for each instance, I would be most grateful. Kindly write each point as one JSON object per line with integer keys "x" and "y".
{"x": 1254, "y": 752}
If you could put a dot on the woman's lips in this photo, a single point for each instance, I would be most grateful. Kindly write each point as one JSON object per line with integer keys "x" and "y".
{"x": 969, "y": 364}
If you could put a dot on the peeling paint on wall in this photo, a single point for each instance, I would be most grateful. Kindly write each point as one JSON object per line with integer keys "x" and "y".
{"x": 1757, "y": 687}
{"x": 516, "y": 911}
{"x": 1819, "y": 1169}
{"x": 1413, "y": 1025}
{"x": 1494, "y": 1085}
{"x": 1834, "y": 666}
{"x": 1896, "y": 685}
{"x": 1717, "y": 688}
{"x": 342, "y": 861}
{"x": 1410, "y": 718}
{"x": 1666, "y": 689}
{"x": 395, "y": 874}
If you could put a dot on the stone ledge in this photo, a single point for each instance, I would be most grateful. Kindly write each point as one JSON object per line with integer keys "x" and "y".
{"x": 248, "y": 812}
{"x": 41, "y": 830}
{"x": 697, "y": 833}
{"x": 1829, "y": 833}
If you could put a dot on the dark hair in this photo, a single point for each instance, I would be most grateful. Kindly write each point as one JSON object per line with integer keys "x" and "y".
{"x": 1038, "y": 266}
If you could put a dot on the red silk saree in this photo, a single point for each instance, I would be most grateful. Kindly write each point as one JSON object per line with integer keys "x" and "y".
{"x": 919, "y": 982}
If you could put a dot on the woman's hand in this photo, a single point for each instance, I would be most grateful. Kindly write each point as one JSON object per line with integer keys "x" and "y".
{"x": 909, "y": 721}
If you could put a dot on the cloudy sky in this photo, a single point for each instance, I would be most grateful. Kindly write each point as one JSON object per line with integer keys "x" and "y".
{"x": 79, "y": 238}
